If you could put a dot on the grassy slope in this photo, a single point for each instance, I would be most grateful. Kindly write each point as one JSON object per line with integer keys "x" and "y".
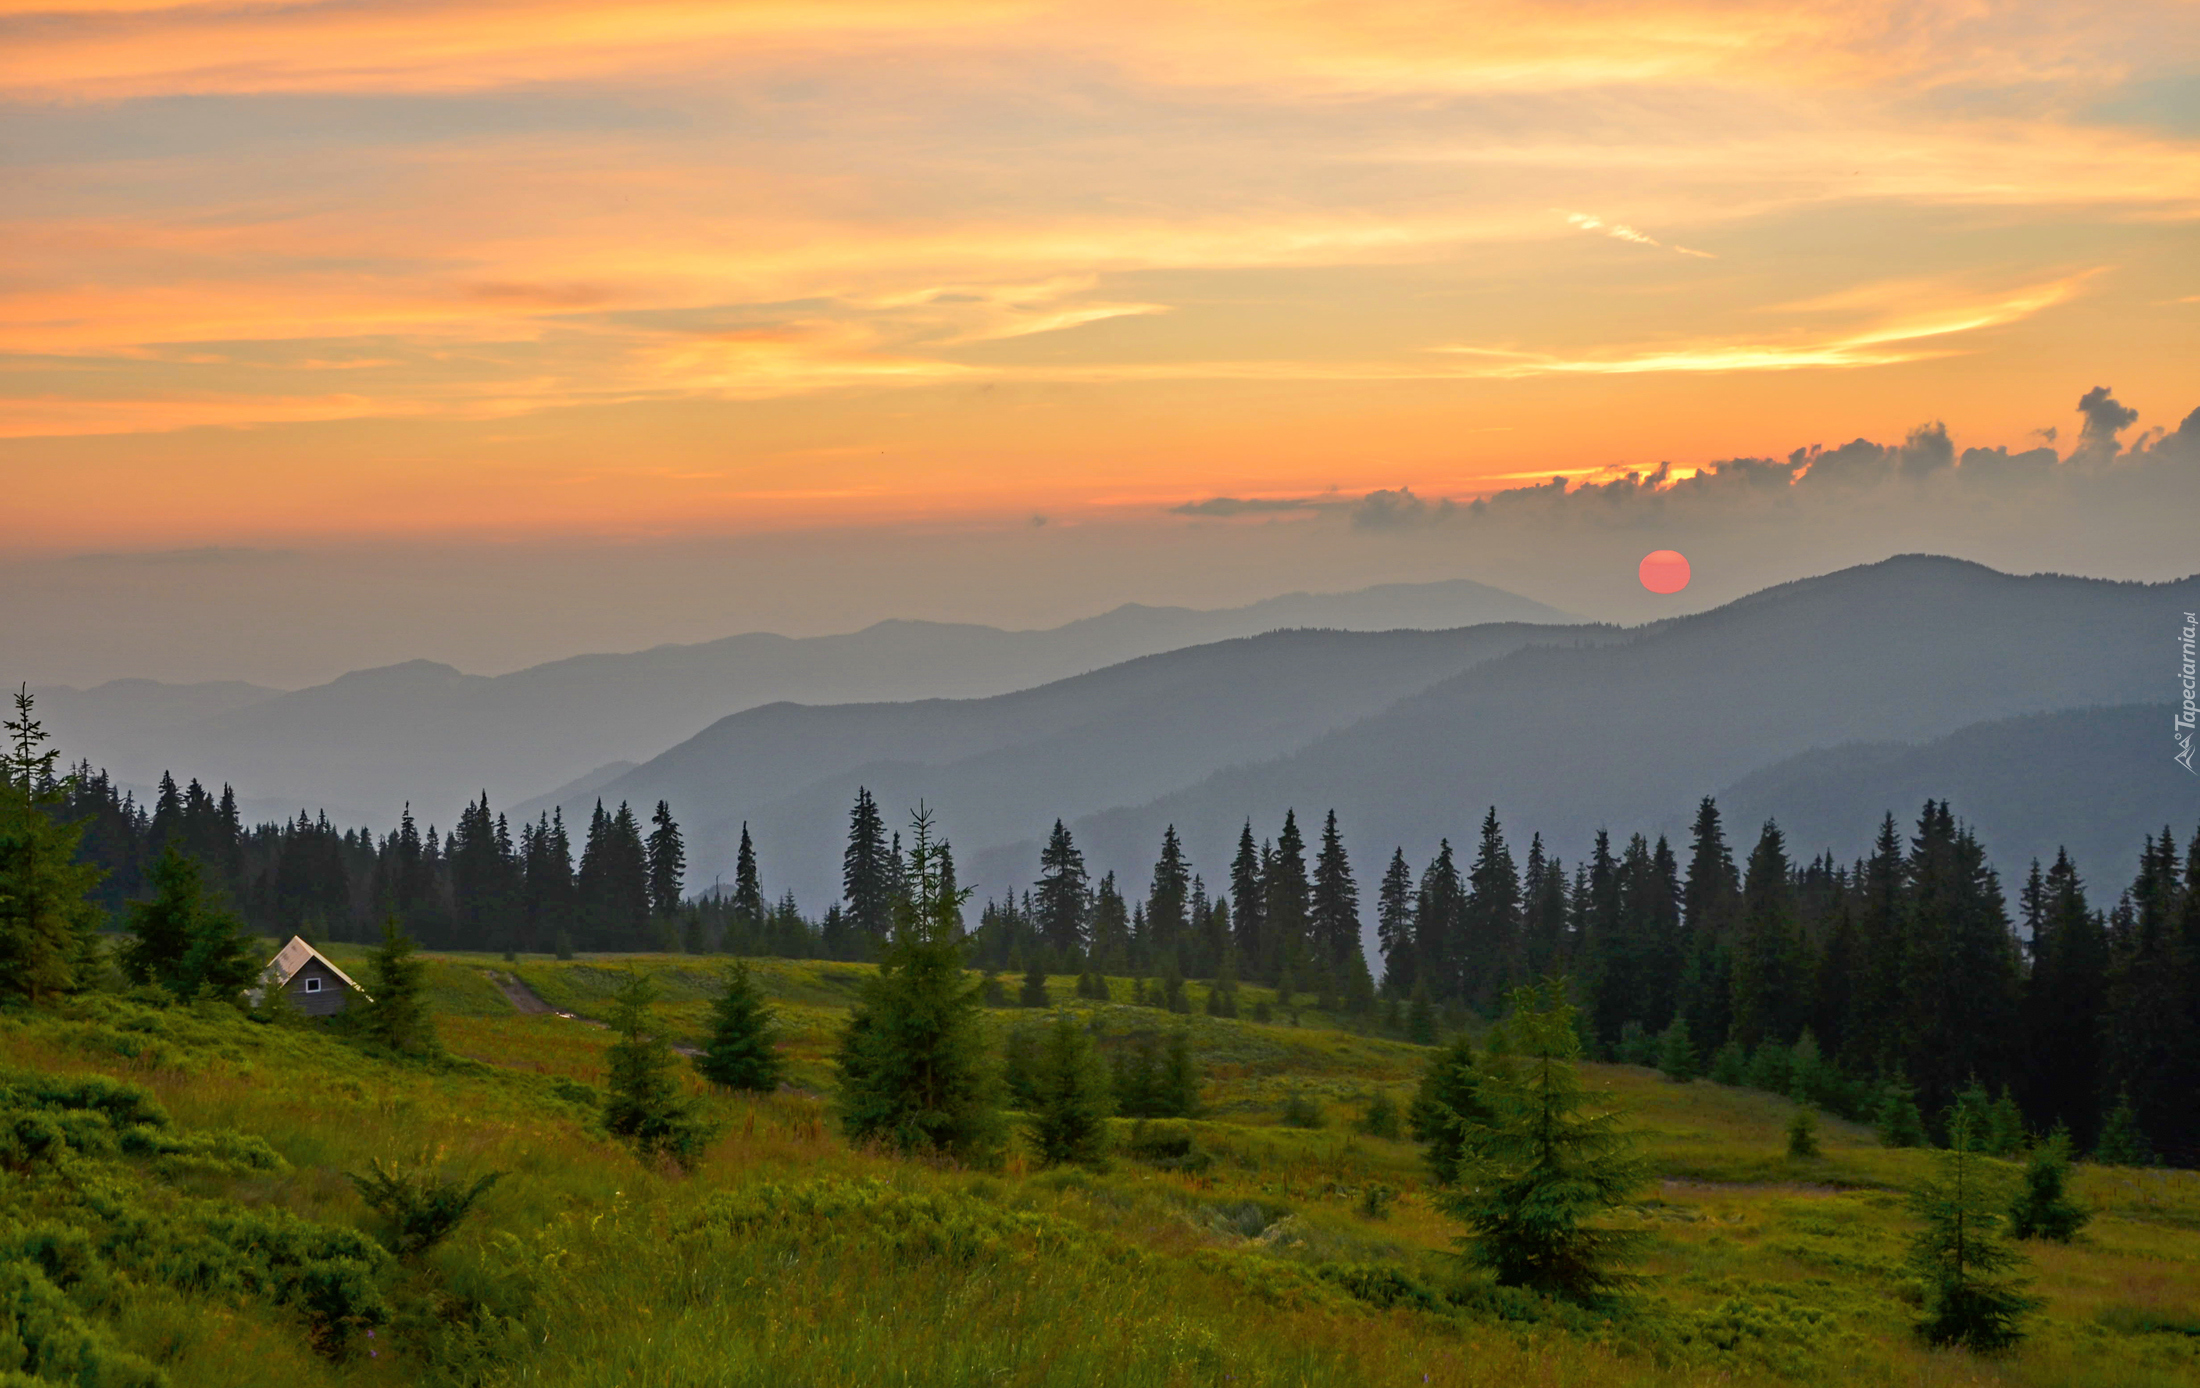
{"x": 1773, "y": 1269}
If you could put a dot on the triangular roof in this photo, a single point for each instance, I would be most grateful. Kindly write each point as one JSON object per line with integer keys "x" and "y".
{"x": 293, "y": 956}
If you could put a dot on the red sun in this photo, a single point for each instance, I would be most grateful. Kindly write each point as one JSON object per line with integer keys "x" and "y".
{"x": 1664, "y": 571}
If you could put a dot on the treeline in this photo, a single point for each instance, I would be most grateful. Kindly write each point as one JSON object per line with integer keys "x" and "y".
{"x": 1906, "y": 969}
{"x": 479, "y": 887}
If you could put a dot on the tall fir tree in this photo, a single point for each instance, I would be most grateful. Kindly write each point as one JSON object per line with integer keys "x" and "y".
{"x": 47, "y": 918}
{"x": 1489, "y": 923}
{"x": 1439, "y": 903}
{"x": 1286, "y": 900}
{"x": 1961, "y": 984}
{"x": 1770, "y": 966}
{"x": 1248, "y": 904}
{"x": 1972, "y": 1297}
{"x": 1063, "y": 899}
{"x": 2065, "y": 997}
{"x": 867, "y": 874}
{"x": 748, "y": 890}
{"x": 1394, "y": 926}
{"x": 1168, "y": 899}
{"x": 1334, "y": 909}
{"x": 665, "y": 855}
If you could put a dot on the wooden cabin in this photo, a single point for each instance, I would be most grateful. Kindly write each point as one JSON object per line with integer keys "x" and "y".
{"x": 317, "y": 987}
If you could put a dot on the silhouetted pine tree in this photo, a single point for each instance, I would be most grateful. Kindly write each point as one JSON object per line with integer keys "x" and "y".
{"x": 1286, "y": 900}
{"x": 666, "y": 857}
{"x": 1394, "y": 929}
{"x": 1248, "y": 898}
{"x": 1168, "y": 897}
{"x": 1064, "y": 899}
{"x": 1489, "y": 919}
{"x": 748, "y": 897}
{"x": 1770, "y": 987}
{"x": 1438, "y": 906}
{"x": 47, "y": 920}
{"x": 867, "y": 871}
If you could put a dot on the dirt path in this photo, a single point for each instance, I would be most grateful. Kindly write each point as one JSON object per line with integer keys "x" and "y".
{"x": 527, "y": 1000}
{"x": 519, "y": 994}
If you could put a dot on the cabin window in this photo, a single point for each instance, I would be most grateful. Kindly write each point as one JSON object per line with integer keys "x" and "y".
{"x": 313, "y": 985}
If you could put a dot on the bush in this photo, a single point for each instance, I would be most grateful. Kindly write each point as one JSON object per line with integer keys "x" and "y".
{"x": 420, "y": 1206}
{"x": 44, "y": 1336}
{"x": 1299, "y": 1111}
{"x": 1168, "y": 1148}
{"x": 1897, "y": 1119}
{"x": 2042, "y": 1209}
{"x": 1803, "y": 1133}
{"x": 1381, "y": 1118}
{"x": 1677, "y": 1052}
{"x": 1730, "y": 1064}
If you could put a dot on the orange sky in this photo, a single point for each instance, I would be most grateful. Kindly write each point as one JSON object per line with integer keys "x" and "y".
{"x": 489, "y": 266}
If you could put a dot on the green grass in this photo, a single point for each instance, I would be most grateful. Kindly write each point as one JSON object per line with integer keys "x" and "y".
{"x": 789, "y": 1258}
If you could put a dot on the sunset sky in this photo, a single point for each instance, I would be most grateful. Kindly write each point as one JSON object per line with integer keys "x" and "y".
{"x": 383, "y": 272}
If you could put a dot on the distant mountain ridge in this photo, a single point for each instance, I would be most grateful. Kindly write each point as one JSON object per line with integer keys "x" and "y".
{"x": 1565, "y": 730}
{"x": 426, "y": 733}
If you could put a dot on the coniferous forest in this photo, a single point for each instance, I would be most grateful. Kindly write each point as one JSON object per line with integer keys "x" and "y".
{"x": 1906, "y": 978}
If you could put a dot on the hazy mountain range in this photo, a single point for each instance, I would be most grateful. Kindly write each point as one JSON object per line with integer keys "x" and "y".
{"x": 365, "y": 744}
{"x": 1566, "y": 730}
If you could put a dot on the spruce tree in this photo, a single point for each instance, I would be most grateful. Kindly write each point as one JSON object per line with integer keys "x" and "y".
{"x": 1063, "y": 901}
{"x": 1394, "y": 925}
{"x": 666, "y": 854}
{"x": 1068, "y": 1122}
{"x": 1334, "y": 908}
{"x": 1168, "y": 898}
{"x": 1897, "y": 1119}
{"x": 1035, "y": 983}
{"x": 1177, "y": 1084}
{"x": 748, "y": 891}
{"x": 1677, "y": 1052}
{"x": 866, "y": 875}
{"x": 741, "y": 1051}
{"x": 1541, "y": 1171}
{"x": 642, "y": 1099}
{"x": 1802, "y": 1132}
{"x": 185, "y": 943}
{"x": 2065, "y": 995}
{"x": 1729, "y": 1064}
{"x": 1248, "y": 910}
{"x": 1421, "y": 1019}
{"x": 1020, "y": 1066}
{"x": 1446, "y": 1105}
{"x": 1970, "y": 1297}
{"x": 47, "y": 918}
{"x": 1489, "y": 922}
{"x": 2123, "y": 1141}
{"x": 1769, "y": 984}
{"x": 1287, "y": 899}
{"x": 2042, "y": 1208}
{"x": 398, "y": 1017}
{"x": 913, "y": 1067}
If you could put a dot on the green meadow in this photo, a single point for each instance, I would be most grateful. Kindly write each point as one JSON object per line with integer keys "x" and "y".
{"x": 1277, "y": 1255}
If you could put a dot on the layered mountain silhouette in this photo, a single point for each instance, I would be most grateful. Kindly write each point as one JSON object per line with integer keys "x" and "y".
{"x": 1410, "y": 737}
{"x": 428, "y": 734}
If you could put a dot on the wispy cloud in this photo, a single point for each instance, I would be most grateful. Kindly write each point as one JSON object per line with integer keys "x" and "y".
{"x": 1620, "y": 231}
